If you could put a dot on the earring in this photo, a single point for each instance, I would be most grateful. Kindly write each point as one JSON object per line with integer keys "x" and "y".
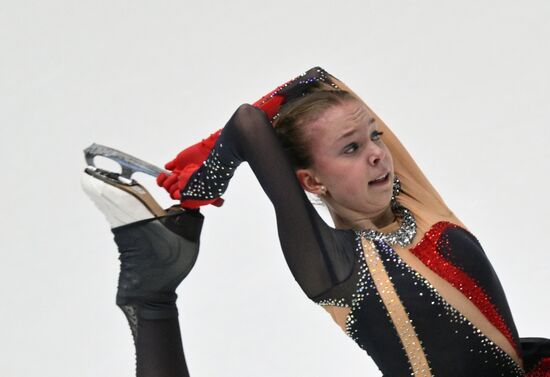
{"x": 315, "y": 200}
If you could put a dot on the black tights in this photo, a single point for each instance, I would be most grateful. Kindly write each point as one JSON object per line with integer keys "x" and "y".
{"x": 155, "y": 256}
{"x": 159, "y": 350}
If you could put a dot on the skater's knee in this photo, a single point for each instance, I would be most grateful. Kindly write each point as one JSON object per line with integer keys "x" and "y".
{"x": 155, "y": 257}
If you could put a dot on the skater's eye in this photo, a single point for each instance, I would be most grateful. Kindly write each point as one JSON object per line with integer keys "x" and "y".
{"x": 351, "y": 148}
{"x": 376, "y": 135}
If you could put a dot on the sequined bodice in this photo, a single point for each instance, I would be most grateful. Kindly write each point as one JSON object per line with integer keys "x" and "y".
{"x": 404, "y": 323}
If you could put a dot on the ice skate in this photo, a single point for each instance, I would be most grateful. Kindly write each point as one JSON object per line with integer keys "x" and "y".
{"x": 158, "y": 247}
{"x": 119, "y": 197}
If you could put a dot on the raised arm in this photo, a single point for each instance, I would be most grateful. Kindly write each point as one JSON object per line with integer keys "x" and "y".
{"x": 318, "y": 255}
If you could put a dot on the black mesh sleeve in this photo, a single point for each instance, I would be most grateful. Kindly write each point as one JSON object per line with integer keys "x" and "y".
{"x": 318, "y": 255}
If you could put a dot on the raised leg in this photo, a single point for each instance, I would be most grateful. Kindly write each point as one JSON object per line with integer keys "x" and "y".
{"x": 157, "y": 249}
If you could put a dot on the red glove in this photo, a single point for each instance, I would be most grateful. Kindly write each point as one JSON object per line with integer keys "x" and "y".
{"x": 183, "y": 166}
{"x": 191, "y": 158}
{"x": 195, "y": 154}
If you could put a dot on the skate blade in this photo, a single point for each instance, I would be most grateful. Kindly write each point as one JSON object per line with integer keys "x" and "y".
{"x": 129, "y": 164}
{"x": 123, "y": 181}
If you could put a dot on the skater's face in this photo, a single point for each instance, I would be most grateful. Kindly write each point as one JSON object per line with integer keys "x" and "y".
{"x": 348, "y": 157}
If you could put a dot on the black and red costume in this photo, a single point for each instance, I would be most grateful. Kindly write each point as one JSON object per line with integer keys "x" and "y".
{"x": 435, "y": 308}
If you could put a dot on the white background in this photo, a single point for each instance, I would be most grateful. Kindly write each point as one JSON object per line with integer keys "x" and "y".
{"x": 464, "y": 84}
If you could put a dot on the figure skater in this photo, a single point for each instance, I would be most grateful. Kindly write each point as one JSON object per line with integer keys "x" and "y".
{"x": 399, "y": 272}
{"x": 158, "y": 249}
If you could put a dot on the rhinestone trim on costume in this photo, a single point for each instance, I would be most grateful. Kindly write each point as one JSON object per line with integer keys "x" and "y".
{"x": 341, "y": 302}
{"x": 490, "y": 349}
{"x": 398, "y": 315}
{"x": 541, "y": 369}
{"x": 402, "y": 236}
{"x": 211, "y": 179}
{"x": 364, "y": 283}
{"x": 300, "y": 80}
{"x": 427, "y": 251}
{"x": 406, "y": 232}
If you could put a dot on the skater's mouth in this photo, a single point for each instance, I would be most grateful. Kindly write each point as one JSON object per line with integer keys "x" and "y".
{"x": 382, "y": 180}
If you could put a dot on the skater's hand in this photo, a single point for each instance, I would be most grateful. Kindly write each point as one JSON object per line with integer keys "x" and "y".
{"x": 195, "y": 154}
{"x": 183, "y": 166}
{"x": 175, "y": 182}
